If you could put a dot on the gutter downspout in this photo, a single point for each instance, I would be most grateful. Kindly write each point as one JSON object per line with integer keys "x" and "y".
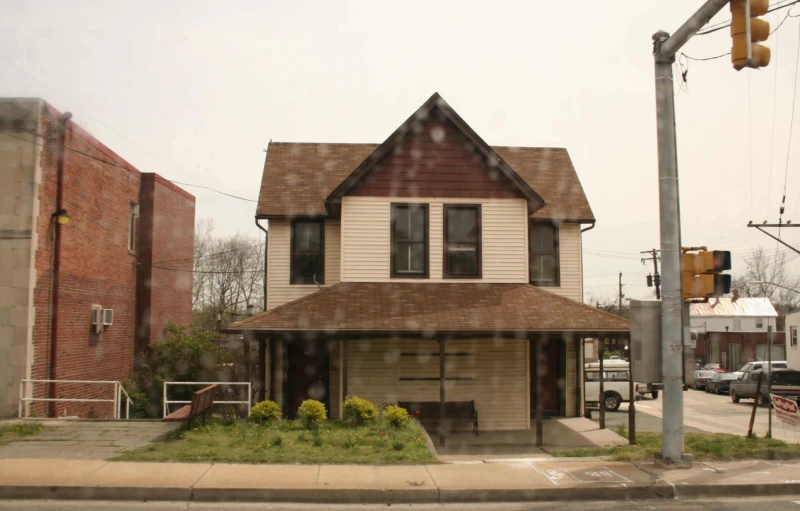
{"x": 266, "y": 245}
{"x": 62, "y": 140}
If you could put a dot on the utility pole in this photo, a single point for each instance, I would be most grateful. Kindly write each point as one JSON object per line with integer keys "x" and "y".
{"x": 656, "y": 278}
{"x": 665, "y": 48}
{"x": 621, "y": 296}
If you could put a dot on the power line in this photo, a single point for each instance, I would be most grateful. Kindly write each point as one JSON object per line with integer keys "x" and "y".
{"x": 774, "y": 116}
{"x": 791, "y": 128}
{"x": 725, "y": 24}
{"x": 208, "y": 255}
{"x": 699, "y": 59}
{"x": 112, "y": 164}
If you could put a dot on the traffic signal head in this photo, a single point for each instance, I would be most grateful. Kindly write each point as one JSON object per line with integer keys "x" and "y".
{"x": 649, "y": 281}
{"x": 746, "y": 31}
{"x": 701, "y": 274}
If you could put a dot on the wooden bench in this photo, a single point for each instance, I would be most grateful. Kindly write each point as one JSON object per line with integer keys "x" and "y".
{"x": 456, "y": 411}
{"x": 201, "y": 402}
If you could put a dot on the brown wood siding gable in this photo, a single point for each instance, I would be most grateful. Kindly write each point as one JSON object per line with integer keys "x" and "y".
{"x": 435, "y": 160}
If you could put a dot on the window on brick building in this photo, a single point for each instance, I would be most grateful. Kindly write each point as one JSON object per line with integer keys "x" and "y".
{"x": 307, "y": 252}
{"x": 133, "y": 221}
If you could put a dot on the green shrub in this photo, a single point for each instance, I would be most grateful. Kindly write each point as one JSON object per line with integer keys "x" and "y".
{"x": 312, "y": 413}
{"x": 316, "y": 438}
{"x": 265, "y": 411}
{"x": 397, "y": 445}
{"x": 396, "y": 415}
{"x": 359, "y": 411}
{"x": 302, "y": 437}
{"x": 276, "y": 440}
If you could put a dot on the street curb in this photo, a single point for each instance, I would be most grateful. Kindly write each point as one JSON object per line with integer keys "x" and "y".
{"x": 659, "y": 490}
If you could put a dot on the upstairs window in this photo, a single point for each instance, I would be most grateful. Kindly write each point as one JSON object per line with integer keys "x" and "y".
{"x": 133, "y": 221}
{"x": 307, "y": 252}
{"x": 409, "y": 257}
{"x": 759, "y": 322}
{"x": 543, "y": 254}
{"x": 794, "y": 336}
{"x": 462, "y": 241}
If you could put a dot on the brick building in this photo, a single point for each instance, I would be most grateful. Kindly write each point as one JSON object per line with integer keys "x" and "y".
{"x": 81, "y": 229}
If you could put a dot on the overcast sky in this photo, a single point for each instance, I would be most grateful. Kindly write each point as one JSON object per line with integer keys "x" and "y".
{"x": 195, "y": 91}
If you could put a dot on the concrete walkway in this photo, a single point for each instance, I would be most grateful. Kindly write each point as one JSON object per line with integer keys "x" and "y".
{"x": 510, "y": 480}
{"x": 85, "y": 439}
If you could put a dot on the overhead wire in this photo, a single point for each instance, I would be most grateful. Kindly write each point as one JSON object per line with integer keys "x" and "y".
{"x": 113, "y": 164}
{"x": 791, "y": 129}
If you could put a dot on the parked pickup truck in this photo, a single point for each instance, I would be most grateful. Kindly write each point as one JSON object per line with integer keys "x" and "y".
{"x": 615, "y": 385}
{"x": 785, "y": 382}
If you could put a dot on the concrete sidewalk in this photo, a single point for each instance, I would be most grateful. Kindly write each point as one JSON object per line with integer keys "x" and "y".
{"x": 496, "y": 481}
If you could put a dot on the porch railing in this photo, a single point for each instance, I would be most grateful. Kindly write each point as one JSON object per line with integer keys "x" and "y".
{"x": 119, "y": 390}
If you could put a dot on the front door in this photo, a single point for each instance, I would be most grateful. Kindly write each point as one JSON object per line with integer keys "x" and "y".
{"x": 552, "y": 377}
{"x": 307, "y": 376}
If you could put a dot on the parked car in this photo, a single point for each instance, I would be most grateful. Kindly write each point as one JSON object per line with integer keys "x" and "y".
{"x": 720, "y": 382}
{"x": 760, "y": 364}
{"x": 785, "y": 382}
{"x": 610, "y": 366}
{"x": 615, "y": 385}
{"x": 715, "y": 367}
{"x": 701, "y": 377}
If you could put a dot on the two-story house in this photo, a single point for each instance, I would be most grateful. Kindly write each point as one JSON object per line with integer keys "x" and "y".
{"x": 431, "y": 267}
{"x": 732, "y": 332}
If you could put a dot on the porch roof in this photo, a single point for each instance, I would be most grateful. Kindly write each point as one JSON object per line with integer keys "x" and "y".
{"x": 433, "y": 308}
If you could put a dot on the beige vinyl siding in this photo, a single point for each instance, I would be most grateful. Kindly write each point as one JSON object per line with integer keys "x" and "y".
{"x": 569, "y": 237}
{"x": 279, "y": 291}
{"x": 366, "y": 239}
{"x": 498, "y": 369}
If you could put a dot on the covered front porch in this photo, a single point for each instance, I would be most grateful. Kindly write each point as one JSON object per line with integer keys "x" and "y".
{"x": 424, "y": 343}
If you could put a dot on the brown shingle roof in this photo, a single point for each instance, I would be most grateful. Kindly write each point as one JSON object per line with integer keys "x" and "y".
{"x": 298, "y": 177}
{"x": 351, "y": 307}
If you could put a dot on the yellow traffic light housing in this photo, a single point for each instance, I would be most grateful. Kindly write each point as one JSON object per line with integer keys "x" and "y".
{"x": 747, "y": 31}
{"x": 702, "y": 277}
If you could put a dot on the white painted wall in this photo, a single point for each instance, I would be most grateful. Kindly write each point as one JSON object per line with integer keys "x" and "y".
{"x": 735, "y": 324}
{"x": 793, "y": 352}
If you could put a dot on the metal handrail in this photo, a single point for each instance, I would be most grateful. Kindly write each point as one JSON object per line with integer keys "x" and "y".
{"x": 118, "y": 391}
{"x": 249, "y": 401}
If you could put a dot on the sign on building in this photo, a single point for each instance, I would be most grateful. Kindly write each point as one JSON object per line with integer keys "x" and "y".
{"x": 786, "y": 410}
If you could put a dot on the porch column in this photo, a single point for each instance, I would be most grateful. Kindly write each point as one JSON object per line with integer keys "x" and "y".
{"x": 441, "y": 390}
{"x": 537, "y": 363}
{"x": 578, "y": 376}
{"x": 262, "y": 369}
{"x": 246, "y": 349}
{"x": 345, "y": 356}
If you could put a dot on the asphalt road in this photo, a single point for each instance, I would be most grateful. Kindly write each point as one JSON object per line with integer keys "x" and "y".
{"x": 777, "y": 504}
{"x": 703, "y": 412}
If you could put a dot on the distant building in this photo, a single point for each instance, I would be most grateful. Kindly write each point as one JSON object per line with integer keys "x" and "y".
{"x": 732, "y": 333}
{"x": 792, "y": 351}
{"x": 104, "y": 285}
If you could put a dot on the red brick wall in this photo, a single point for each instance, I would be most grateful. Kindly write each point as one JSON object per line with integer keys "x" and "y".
{"x": 748, "y": 340}
{"x": 96, "y": 268}
{"x": 166, "y": 256}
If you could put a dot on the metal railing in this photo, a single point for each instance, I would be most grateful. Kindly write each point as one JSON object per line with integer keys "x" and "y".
{"x": 119, "y": 390}
{"x": 249, "y": 401}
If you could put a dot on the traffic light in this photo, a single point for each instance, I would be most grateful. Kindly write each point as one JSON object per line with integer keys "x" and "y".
{"x": 702, "y": 277}
{"x": 747, "y": 31}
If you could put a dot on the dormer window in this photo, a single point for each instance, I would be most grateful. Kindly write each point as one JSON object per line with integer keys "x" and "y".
{"x": 543, "y": 254}
{"x": 409, "y": 241}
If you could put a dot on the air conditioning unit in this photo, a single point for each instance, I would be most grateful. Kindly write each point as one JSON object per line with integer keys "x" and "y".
{"x": 97, "y": 319}
{"x": 108, "y": 317}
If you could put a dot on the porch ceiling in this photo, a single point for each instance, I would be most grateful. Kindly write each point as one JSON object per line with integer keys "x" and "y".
{"x": 433, "y": 308}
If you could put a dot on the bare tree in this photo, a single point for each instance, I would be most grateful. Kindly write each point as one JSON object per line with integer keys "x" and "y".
{"x": 229, "y": 275}
{"x": 767, "y": 276}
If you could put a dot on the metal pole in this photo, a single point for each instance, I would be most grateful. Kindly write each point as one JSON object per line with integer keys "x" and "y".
{"x": 632, "y": 395}
{"x": 21, "y": 394}
{"x": 165, "y": 400}
{"x": 665, "y": 48}
{"x": 602, "y": 397}
{"x": 620, "y": 293}
{"x": 671, "y": 293}
{"x": 769, "y": 379}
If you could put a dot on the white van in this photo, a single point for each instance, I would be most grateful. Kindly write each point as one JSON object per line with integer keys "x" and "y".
{"x": 615, "y": 384}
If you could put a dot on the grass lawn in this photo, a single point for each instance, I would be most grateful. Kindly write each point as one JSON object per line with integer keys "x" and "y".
{"x": 288, "y": 442}
{"x": 12, "y": 432}
{"x": 704, "y": 446}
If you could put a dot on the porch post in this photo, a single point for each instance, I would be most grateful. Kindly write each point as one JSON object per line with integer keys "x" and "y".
{"x": 345, "y": 356}
{"x": 262, "y": 368}
{"x": 538, "y": 356}
{"x": 578, "y": 375}
{"x": 441, "y": 390}
{"x": 272, "y": 366}
{"x": 246, "y": 348}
